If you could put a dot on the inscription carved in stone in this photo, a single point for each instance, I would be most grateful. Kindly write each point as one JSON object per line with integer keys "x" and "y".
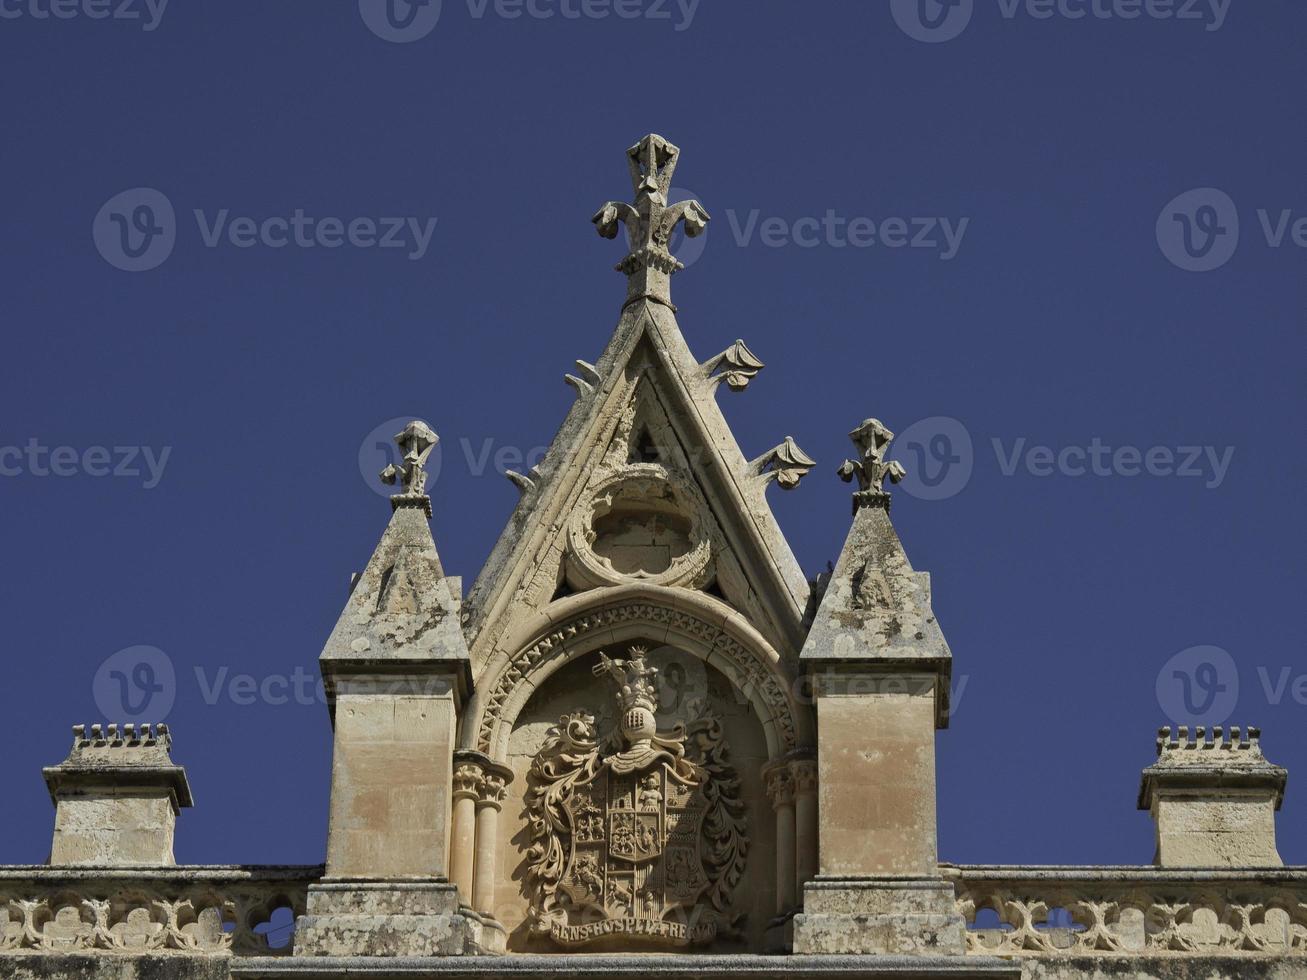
{"x": 636, "y": 833}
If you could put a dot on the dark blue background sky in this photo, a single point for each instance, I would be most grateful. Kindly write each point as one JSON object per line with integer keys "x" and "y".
{"x": 1059, "y": 320}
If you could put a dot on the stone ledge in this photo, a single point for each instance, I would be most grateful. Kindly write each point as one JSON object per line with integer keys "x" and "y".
{"x": 668, "y": 966}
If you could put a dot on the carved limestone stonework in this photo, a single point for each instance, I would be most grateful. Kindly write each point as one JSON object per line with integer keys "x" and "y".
{"x": 737, "y": 366}
{"x": 415, "y": 442}
{"x": 634, "y": 833}
{"x": 651, "y": 221}
{"x": 786, "y": 463}
{"x": 754, "y": 676}
{"x": 871, "y": 467}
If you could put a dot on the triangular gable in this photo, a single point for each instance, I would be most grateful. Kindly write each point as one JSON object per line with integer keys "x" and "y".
{"x": 648, "y": 379}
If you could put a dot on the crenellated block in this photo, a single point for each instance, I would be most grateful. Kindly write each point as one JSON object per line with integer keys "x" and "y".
{"x": 116, "y": 797}
{"x": 1213, "y": 796}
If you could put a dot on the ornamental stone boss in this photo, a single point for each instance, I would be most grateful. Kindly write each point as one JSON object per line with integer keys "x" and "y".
{"x": 644, "y": 743}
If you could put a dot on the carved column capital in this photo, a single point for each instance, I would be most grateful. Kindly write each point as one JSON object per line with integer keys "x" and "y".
{"x": 480, "y": 778}
{"x": 494, "y": 787}
{"x": 468, "y": 781}
{"x": 804, "y": 774}
{"x": 780, "y": 785}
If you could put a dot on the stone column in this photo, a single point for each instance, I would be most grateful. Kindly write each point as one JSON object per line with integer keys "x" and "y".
{"x": 804, "y": 772}
{"x": 494, "y": 784}
{"x": 780, "y": 789}
{"x": 462, "y": 842}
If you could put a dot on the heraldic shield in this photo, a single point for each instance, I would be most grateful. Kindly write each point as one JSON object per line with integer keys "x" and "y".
{"x": 641, "y": 835}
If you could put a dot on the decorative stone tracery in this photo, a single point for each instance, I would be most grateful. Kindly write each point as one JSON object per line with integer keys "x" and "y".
{"x": 696, "y": 623}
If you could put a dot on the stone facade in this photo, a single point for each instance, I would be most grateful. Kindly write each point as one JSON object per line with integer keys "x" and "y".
{"x": 645, "y": 743}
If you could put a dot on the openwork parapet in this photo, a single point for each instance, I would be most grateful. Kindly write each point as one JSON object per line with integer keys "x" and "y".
{"x": 1102, "y": 910}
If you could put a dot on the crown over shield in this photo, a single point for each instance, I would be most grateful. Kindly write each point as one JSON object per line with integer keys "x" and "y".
{"x": 618, "y": 824}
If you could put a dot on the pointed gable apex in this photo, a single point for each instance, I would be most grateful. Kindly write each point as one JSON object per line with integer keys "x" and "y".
{"x": 649, "y": 390}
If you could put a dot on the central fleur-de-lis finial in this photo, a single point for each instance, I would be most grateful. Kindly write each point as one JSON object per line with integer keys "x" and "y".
{"x": 415, "y": 442}
{"x": 651, "y": 221}
{"x": 871, "y": 468}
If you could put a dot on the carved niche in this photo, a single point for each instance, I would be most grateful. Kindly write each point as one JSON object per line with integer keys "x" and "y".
{"x": 634, "y": 833}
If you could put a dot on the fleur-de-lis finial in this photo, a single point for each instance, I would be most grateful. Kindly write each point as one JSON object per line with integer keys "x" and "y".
{"x": 415, "y": 442}
{"x": 871, "y": 468}
{"x": 651, "y": 221}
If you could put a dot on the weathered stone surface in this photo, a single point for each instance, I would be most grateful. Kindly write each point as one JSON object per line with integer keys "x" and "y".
{"x": 402, "y": 610}
{"x": 385, "y": 918}
{"x": 116, "y": 797}
{"x": 876, "y": 607}
{"x": 885, "y": 916}
{"x": 1213, "y": 797}
{"x": 685, "y": 967}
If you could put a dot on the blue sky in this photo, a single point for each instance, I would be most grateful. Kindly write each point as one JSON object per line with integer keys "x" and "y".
{"x": 1060, "y": 255}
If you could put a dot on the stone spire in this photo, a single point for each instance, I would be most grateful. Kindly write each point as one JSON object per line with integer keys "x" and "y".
{"x": 880, "y": 670}
{"x": 650, "y": 223}
{"x": 396, "y": 672}
{"x": 402, "y": 608}
{"x": 876, "y": 606}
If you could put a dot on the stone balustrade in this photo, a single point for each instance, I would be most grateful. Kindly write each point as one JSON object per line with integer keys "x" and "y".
{"x": 1079, "y": 911}
{"x": 197, "y": 910}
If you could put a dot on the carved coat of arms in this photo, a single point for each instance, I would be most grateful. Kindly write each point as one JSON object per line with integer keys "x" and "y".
{"x": 636, "y": 834}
